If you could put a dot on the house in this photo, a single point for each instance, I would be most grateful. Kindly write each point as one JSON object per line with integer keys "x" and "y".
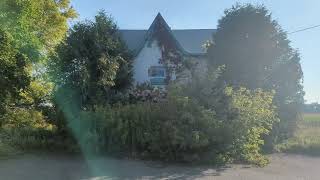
{"x": 160, "y": 51}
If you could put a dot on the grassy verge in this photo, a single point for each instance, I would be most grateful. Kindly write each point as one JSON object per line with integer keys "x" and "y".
{"x": 307, "y": 138}
{"x": 6, "y": 150}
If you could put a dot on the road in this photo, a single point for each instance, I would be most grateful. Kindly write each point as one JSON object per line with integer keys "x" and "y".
{"x": 61, "y": 167}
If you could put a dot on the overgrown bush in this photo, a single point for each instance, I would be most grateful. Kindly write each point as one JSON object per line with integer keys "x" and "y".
{"x": 256, "y": 115}
{"x": 170, "y": 130}
{"x": 28, "y": 130}
{"x": 181, "y": 129}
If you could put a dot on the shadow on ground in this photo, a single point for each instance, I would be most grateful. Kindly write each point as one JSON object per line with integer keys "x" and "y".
{"x": 126, "y": 169}
{"x": 59, "y": 167}
{"x": 73, "y": 168}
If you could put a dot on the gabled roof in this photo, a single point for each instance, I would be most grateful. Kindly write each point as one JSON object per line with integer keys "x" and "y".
{"x": 190, "y": 41}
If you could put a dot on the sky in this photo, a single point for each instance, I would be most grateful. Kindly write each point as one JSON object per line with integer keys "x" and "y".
{"x": 292, "y": 15}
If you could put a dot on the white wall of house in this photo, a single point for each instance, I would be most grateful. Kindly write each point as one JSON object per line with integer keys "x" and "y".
{"x": 149, "y": 56}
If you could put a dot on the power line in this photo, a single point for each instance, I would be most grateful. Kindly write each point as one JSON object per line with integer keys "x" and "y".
{"x": 300, "y": 30}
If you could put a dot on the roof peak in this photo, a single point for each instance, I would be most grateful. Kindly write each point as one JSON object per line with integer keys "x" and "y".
{"x": 159, "y": 20}
{"x": 159, "y": 15}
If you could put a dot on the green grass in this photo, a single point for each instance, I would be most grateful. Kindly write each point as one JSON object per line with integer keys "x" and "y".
{"x": 311, "y": 117}
{"x": 6, "y": 150}
{"x": 307, "y": 138}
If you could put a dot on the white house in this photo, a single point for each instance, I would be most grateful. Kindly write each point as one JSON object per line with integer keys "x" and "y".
{"x": 160, "y": 50}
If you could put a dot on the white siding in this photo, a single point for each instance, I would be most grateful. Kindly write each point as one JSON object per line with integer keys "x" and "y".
{"x": 148, "y": 56}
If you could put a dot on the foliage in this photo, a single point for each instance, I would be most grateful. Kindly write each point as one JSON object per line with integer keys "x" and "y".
{"x": 37, "y": 94}
{"x": 246, "y": 115}
{"x": 143, "y": 128}
{"x": 13, "y": 70}
{"x": 29, "y": 130}
{"x": 20, "y": 118}
{"x": 37, "y": 26}
{"x": 257, "y": 54}
{"x": 145, "y": 92}
{"x": 191, "y": 129}
{"x": 93, "y": 62}
{"x": 255, "y": 119}
{"x": 171, "y": 54}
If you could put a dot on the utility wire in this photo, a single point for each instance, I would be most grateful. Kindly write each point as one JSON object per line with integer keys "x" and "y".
{"x": 300, "y": 30}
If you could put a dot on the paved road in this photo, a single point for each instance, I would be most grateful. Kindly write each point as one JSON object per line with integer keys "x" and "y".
{"x": 57, "y": 167}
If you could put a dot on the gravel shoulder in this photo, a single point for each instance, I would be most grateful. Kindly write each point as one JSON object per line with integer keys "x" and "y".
{"x": 61, "y": 167}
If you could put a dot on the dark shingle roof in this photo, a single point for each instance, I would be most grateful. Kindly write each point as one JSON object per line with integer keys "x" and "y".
{"x": 191, "y": 40}
{"x": 133, "y": 38}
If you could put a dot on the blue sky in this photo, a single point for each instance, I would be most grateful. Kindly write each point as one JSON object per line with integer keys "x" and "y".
{"x": 183, "y": 14}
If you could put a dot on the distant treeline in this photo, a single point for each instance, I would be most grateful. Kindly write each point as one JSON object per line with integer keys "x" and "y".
{"x": 312, "y": 108}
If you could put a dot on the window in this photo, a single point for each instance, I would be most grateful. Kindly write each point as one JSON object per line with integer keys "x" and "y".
{"x": 157, "y": 71}
{"x": 157, "y": 75}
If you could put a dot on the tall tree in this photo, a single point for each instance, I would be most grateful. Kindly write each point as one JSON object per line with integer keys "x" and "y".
{"x": 93, "y": 62}
{"x": 13, "y": 72}
{"x": 257, "y": 54}
{"x": 37, "y": 26}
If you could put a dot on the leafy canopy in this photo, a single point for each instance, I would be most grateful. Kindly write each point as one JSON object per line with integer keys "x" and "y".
{"x": 37, "y": 26}
{"x": 13, "y": 71}
{"x": 93, "y": 61}
{"x": 257, "y": 54}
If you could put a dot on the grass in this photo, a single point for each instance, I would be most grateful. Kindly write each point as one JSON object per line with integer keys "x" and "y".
{"x": 6, "y": 150}
{"x": 311, "y": 117}
{"x": 307, "y": 138}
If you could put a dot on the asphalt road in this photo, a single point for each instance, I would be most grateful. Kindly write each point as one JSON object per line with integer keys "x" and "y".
{"x": 61, "y": 167}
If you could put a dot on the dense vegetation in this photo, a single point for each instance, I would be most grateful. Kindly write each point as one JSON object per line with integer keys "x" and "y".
{"x": 192, "y": 129}
{"x": 92, "y": 63}
{"x": 29, "y": 32}
{"x": 257, "y": 54}
{"x": 37, "y": 26}
{"x": 14, "y": 75}
{"x": 81, "y": 98}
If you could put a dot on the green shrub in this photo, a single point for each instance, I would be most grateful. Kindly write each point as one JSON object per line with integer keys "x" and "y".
{"x": 256, "y": 115}
{"x": 181, "y": 129}
{"x": 246, "y": 115}
{"x": 185, "y": 129}
{"x": 27, "y": 129}
{"x": 203, "y": 121}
